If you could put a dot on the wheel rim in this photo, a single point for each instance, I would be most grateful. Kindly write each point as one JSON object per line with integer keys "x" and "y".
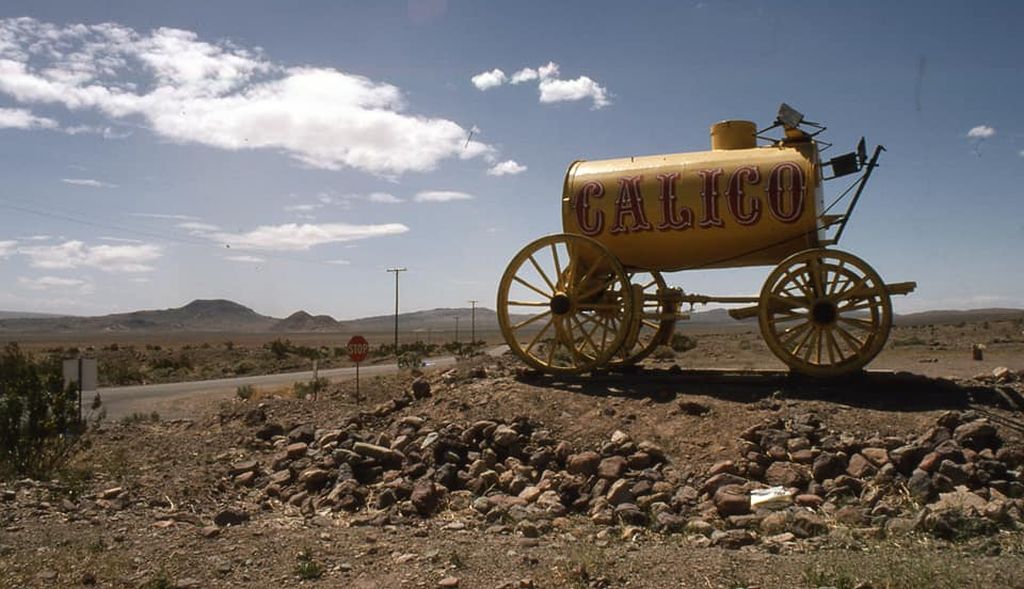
{"x": 650, "y": 329}
{"x": 564, "y": 304}
{"x": 825, "y": 312}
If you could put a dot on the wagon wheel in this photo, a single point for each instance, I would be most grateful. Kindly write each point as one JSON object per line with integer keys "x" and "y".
{"x": 824, "y": 312}
{"x": 564, "y": 304}
{"x": 649, "y": 328}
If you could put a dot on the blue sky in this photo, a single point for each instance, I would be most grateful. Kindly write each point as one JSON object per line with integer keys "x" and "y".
{"x": 327, "y": 143}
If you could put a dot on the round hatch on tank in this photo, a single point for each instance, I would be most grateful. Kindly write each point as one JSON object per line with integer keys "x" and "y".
{"x": 733, "y": 135}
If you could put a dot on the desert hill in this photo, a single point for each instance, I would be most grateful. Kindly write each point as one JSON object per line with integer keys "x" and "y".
{"x": 220, "y": 315}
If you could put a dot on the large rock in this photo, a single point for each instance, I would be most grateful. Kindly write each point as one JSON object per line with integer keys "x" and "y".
{"x": 733, "y": 539}
{"x": 314, "y": 478}
{"x": 426, "y": 497}
{"x": 378, "y": 453}
{"x": 731, "y": 500}
{"x": 787, "y": 474}
{"x": 231, "y": 517}
{"x": 612, "y": 467}
{"x": 827, "y": 466}
{"x": 806, "y": 524}
{"x": 860, "y": 467}
{"x": 584, "y": 463}
{"x": 720, "y": 480}
{"x": 977, "y": 435}
{"x": 920, "y": 486}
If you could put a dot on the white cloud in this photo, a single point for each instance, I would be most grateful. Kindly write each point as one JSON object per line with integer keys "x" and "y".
{"x": 108, "y": 258}
{"x": 164, "y": 216}
{"x": 245, "y": 259}
{"x": 197, "y": 227}
{"x": 105, "y": 132}
{"x": 551, "y": 87}
{"x": 302, "y": 208}
{"x": 292, "y": 236}
{"x": 554, "y": 90}
{"x": 57, "y": 283}
{"x": 981, "y": 132}
{"x": 506, "y": 168}
{"x": 383, "y": 197}
{"x": 524, "y": 75}
{"x": 339, "y": 262}
{"x": 546, "y": 72}
{"x": 222, "y": 95}
{"x": 120, "y": 239}
{"x": 441, "y": 196}
{"x": 488, "y": 80}
{"x": 7, "y": 247}
{"x": 19, "y": 118}
{"x": 90, "y": 182}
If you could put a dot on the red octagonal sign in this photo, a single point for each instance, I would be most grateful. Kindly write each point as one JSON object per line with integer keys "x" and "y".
{"x": 358, "y": 347}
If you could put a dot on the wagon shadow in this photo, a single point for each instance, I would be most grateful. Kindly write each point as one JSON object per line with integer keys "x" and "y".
{"x": 880, "y": 390}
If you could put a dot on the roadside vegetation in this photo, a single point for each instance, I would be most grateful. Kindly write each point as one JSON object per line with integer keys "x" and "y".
{"x": 40, "y": 426}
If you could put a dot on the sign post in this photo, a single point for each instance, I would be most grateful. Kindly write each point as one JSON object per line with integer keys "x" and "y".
{"x": 82, "y": 372}
{"x": 358, "y": 347}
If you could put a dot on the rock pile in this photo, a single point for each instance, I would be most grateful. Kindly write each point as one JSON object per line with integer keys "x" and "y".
{"x": 956, "y": 477}
{"x": 959, "y": 475}
{"x": 509, "y": 473}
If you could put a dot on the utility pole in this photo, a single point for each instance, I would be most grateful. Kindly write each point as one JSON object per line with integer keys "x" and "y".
{"x": 472, "y": 322}
{"x": 396, "y": 271}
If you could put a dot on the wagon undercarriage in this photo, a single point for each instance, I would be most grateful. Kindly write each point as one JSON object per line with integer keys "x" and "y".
{"x": 567, "y": 306}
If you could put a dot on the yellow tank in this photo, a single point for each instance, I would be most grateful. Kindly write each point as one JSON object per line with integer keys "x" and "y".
{"x": 736, "y": 205}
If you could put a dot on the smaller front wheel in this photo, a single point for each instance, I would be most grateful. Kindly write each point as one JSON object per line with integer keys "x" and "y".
{"x": 825, "y": 313}
{"x": 564, "y": 304}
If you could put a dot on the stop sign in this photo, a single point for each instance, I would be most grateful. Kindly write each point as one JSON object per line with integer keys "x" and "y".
{"x": 358, "y": 347}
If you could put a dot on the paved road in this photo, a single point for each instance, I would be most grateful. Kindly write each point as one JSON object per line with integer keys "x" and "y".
{"x": 121, "y": 401}
{"x": 168, "y": 399}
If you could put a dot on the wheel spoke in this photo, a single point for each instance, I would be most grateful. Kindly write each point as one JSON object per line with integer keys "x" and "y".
{"x": 815, "y": 268}
{"x": 532, "y": 287}
{"x": 861, "y": 323}
{"x": 558, "y": 265}
{"x": 787, "y": 337}
{"x": 526, "y": 322}
{"x": 539, "y": 335}
{"x": 854, "y": 343}
{"x": 586, "y": 336}
{"x": 852, "y": 291}
{"x": 529, "y": 304}
{"x": 804, "y": 339}
{"x": 543, "y": 274}
{"x": 596, "y": 289}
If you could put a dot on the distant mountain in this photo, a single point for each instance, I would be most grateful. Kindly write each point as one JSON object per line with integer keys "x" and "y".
{"x": 301, "y": 321}
{"x": 218, "y": 315}
{"x": 24, "y": 315}
{"x": 956, "y": 316}
{"x": 439, "y": 319}
{"x": 199, "y": 315}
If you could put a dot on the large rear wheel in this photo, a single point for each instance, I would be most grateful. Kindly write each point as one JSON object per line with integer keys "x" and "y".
{"x": 825, "y": 313}
{"x": 565, "y": 304}
{"x": 653, "y": 318}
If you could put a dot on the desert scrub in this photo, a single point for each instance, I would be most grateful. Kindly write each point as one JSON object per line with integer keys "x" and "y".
{"x": 245, "y": 392}
{"x": 307, "y": 568}
{"x": 39, "y": 422}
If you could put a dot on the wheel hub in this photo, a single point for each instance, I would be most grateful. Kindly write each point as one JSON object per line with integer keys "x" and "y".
{"x": 824, "y": 312}
{"x": 560, "y": 304}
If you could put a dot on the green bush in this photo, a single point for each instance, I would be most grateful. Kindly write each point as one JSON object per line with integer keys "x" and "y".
{"x": 411, "y": 360}
{"x": 245, "y": 392}
{"x": 280, "y": 348}
{"x": 39, "y": 424}
{"x": 312, "y": 388}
